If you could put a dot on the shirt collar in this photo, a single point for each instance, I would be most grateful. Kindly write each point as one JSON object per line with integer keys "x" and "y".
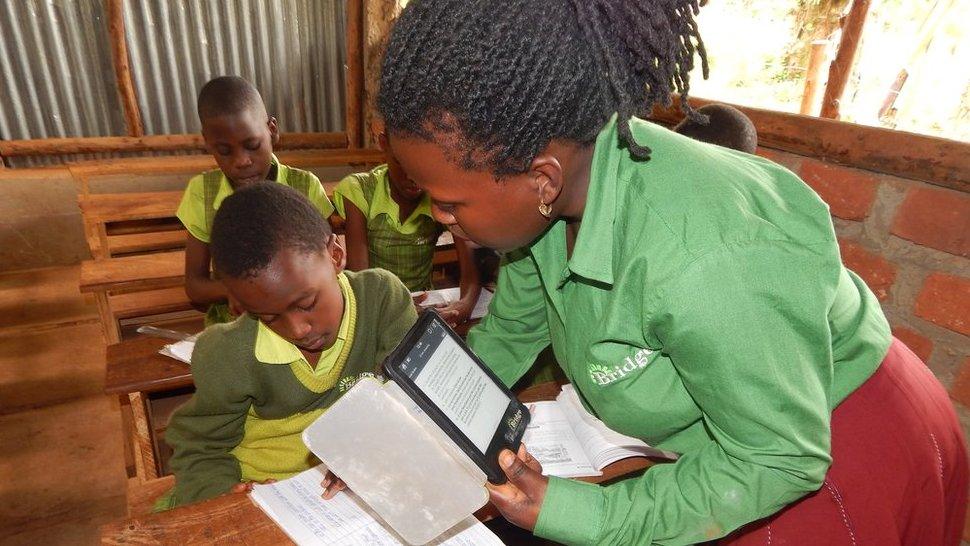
{"x": 272, "y": 348}
{"x": 592, "y": 256}
{"x": 225, "y": 189}
{"x": 383, "y": 203}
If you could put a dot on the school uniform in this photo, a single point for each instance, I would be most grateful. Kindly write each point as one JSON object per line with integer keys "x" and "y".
{"x": 403, "y": 248}
{"x": 205, "y": 193}
{"x": 705, "y": 309}
{"x": 256, "y": 392}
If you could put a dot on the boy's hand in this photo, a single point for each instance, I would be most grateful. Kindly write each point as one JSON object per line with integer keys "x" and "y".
{"x": 247, "y": 487}
{"x": 454, "y": 313}
{"x": 332, "y": 485}
{"x": 520, "y": 498}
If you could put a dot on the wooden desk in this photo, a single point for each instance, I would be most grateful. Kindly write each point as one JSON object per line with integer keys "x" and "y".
{"x": 136, "y": 366}
{"x": 234, "y": 519}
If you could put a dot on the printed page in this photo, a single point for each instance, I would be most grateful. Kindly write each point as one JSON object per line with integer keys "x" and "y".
{"x": 181, "y": 350}
{"x": 298, "y": 508}
{"x": 602, "y": 444}
{"x": 551, "y": 440}
{"x": 448, "y": 295}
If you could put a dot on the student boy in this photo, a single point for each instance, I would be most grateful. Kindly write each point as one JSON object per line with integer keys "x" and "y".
{"x": 309, "y": 332}
{"x": 240, "y": 135}
{"x": 389, "y": 225}
{"x": 727, "y": 126}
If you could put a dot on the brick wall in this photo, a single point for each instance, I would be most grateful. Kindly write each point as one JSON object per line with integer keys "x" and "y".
{"x": 910, "y": 242}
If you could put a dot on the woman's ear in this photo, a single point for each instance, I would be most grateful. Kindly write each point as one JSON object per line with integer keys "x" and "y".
{"x": 337, "y": 253}
{"x": 547, "y": 176}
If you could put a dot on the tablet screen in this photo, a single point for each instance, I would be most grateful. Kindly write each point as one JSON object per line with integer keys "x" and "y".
{"x": 447, "y": 375}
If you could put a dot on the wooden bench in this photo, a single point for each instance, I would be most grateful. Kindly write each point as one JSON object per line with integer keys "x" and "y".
{"x": 135, "y": 239}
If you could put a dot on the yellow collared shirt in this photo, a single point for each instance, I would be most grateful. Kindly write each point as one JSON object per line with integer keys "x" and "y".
{"x": 271, "y": 348}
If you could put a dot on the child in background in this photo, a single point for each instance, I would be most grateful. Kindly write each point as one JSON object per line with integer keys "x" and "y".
{"x": 727, "y": 126}
{"x": 240, "y": 135}
{"x": 310, "y": 331}
{"x": 389, "y": 225}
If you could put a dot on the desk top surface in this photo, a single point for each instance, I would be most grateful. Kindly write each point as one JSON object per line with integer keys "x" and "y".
{"x": 136, "y": 366}
{"x": 234, "y": 519}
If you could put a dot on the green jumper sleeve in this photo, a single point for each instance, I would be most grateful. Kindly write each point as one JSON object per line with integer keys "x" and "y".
{"x": 746, "y": 327}
{"x": 516, "y": 328}
{"x": 397, "y": 315}
{"x": 204, "y": 431}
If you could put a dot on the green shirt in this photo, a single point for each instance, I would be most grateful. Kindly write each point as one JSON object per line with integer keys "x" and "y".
{"x": 255, "y": 392}
{"x": 206, "y": 191}
{"x": 705, "y": 310}
{"x": 405, "y": 249}
{"x": 205, "y": 194}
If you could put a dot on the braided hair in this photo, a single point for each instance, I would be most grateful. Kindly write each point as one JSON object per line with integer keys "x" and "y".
{"x": 503, "y": 78}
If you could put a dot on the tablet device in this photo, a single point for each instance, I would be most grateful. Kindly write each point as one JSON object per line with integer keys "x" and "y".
{"x": 458, "y": 392}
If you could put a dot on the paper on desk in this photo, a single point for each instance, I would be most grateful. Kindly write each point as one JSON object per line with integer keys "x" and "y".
{"x": 297, "y": 507}
{"x": 181, "y": 350}
{"x": 450, "y": 295}
{"x": 551, "y": 440}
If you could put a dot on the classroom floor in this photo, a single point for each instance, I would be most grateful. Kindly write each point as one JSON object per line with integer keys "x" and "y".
{"x": 62, "y": 470}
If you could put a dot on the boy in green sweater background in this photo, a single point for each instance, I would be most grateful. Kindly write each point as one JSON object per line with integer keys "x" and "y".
{"x": 310, "y": 331}
{"x": 240, "y": 135}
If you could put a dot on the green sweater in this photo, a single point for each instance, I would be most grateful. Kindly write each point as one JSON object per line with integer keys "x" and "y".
{"x": 245, "y": 418}
{"x": 704, "y": 309}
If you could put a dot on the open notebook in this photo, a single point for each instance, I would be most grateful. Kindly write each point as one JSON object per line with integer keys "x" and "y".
{"x": 296, "y": 506}
{"x": 570, "y": 442}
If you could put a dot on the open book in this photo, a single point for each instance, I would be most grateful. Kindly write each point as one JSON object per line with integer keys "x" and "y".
{"x": 571, "y": 443}
{"x": 449, "y": 295}
{"x": 296, "y": 505}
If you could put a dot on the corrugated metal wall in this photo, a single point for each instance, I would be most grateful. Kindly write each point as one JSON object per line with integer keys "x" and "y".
{"x": 59, "y": 80}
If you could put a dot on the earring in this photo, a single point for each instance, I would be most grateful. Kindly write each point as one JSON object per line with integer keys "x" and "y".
{"x": 545, "y": 209}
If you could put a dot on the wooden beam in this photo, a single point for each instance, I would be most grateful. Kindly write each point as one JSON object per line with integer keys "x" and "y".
{"x": 312, "y": 141}
{"x": 355, "y": 73}
{"x": 119, "y": 55}
{"x": 841, "y": 67}
{"x": 931, "y": 159}
{"x": 813, "y": 76}
{"x": 152, "y": 143}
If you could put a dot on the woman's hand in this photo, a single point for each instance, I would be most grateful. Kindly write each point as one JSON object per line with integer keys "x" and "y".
{"x": 332, "y": 485}
{"x": 520, "y": 498}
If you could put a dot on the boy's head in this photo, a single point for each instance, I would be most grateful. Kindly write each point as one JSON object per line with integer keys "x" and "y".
{"x": 238, "y": 132}
{"x": 279, "y": 260}
{"x": 727, "y": 126}
{"x": 403, "y": 189}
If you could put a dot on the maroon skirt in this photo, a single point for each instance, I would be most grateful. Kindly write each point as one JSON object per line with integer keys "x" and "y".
{"x": 899, "y": 468}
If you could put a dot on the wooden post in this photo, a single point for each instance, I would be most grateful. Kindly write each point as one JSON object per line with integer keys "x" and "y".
{"x": 842, "y": 65}
{"x": 813, "y": 76}
{"x": 355, "y": 73}
{"x": 119, "y": 55}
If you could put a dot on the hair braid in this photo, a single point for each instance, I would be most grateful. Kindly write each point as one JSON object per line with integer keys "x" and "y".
{"x": 503, "y": 78}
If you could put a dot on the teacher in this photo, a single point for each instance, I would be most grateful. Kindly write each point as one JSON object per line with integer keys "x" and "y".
{"x": 694, "y": 295}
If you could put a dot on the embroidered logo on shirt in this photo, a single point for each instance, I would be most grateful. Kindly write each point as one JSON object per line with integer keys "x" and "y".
{"x": 347, "y": 382}
{"x": 604, "y": 375}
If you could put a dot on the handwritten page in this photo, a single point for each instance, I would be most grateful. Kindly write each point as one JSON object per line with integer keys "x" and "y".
{"x": 551, "y": 440}
{"x": 445, "y": 296}
{"x": 298, "y": 508}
